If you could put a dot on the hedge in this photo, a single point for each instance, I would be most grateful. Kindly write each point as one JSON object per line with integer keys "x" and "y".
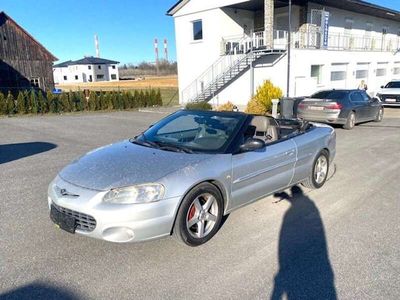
{"x": 35, "y": 102}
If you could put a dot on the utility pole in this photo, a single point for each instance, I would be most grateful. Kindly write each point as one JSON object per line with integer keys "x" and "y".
{"x": 156, "y": 53}
{"x": 96, "y": 44}
{"x": 288, "y": 48}
{"x": 166, "y": 49}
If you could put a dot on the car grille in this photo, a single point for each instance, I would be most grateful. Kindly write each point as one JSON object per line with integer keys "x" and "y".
{"x": 385, "y": 96}
{"x": 84, "y": 222}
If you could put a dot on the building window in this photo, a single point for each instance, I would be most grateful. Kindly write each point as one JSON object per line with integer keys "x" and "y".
{"x": 65, "y": 78}
{"x": 361, "y": 74}
{"x": 316, "y": 72}
{"x": 380, "y": 72}
{"x": 113, "y": 77}
{"x": 113, "y": 67}
{"x": 76, "y": 77}
{"x": 197, "y": 30}
{"x": 338, "y": 75}
{"x": 89, "y": 67}
{"x": 35, "y": 82}
{"x": 396, "y": 70}
{"x": 99, "y": 67}
{"x": 100, "y": 76}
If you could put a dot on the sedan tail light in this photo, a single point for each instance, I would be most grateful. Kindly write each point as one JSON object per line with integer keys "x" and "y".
{"x": 334, "y": 106}
{"x": 302, "y": 106}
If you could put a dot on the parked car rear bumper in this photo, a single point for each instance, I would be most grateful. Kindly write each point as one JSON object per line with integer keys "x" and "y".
{"x": 331, "y": 118}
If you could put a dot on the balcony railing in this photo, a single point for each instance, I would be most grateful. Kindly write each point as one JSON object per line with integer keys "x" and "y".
{"x": 311, "y": 39}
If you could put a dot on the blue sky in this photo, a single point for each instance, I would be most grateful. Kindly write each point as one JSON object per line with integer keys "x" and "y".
{"x": 126, "y": 28}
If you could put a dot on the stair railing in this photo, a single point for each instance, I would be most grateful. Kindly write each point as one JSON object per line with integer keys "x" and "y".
{"x": 233, "y": 53}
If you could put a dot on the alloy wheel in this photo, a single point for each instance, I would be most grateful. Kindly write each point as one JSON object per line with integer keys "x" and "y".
{"x": 320, "y": 169}
{"x": 202, "y": 215}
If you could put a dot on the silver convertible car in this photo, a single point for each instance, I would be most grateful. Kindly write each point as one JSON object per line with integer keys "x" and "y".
{"x": 183, "y": 174}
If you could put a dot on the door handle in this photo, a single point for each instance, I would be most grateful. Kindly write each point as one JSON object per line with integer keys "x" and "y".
{"x": 290, "y": 153}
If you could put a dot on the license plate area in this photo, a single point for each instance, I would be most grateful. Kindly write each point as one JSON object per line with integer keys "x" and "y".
{"x": 316, "y": 108}
{"x": 63, "y": 221}
{"x": 390, "y": 100}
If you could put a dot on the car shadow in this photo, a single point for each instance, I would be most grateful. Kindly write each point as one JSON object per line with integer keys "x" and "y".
{"x": 39, "y": 290}
{"x": 305, "y": 271}
{"x": 10, "y": 152}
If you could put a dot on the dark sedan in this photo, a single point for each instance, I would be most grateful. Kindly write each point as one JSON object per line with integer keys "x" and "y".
{"x": 345, "y": 107}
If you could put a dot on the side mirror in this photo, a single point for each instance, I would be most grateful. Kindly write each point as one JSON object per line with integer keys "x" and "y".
{"x": 252, "y": 144}
{"x": 382, "y": 87}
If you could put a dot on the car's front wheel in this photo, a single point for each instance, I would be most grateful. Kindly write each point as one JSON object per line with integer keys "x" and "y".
{"x": 319, "y": 172}
{"x": 199, "y": 215}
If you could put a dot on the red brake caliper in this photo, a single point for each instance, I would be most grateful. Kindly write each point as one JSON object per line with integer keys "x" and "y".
{"x": 192, "y": 211}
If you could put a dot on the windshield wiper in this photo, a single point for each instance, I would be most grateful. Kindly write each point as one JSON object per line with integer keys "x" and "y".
{"x": 177, "y": 148}
{"x": 144, "y": 142}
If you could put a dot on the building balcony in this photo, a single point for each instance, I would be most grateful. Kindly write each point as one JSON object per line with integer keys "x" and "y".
{"x": 310, "y": 39}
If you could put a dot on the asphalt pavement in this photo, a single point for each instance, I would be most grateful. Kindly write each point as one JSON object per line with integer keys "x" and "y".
{"x": 341, "y": 241}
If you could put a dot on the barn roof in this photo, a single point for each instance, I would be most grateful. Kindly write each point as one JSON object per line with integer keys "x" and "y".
{"x": 90, "y": 60}
{"x": 3, "y": 15}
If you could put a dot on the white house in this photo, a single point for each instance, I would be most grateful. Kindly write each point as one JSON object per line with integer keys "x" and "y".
{"x": 227, "y": 48}
{"x": 88, "y": 69}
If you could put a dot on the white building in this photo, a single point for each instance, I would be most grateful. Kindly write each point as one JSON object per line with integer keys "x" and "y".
{"x": 227, "y": 48}
{"x": 88, "y": 69}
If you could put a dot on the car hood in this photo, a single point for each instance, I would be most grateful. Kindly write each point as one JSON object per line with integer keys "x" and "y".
{"x": 124, "y": 164}
{"x": 393, "y": 91}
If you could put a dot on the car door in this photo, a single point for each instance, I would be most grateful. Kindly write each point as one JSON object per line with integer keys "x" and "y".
{"x": 261, "y": 172}
{"x": 360, "y": 106}
{"x": 373, "y": 106}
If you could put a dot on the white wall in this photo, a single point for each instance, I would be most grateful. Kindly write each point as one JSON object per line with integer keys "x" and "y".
{"x": 302, "y": 84}
{"x": 194, "y": 57}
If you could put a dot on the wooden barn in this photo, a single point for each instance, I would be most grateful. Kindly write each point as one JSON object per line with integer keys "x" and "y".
{"x": 24, "y": 62}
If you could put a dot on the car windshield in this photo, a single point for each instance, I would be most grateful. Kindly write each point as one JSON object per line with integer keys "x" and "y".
{"x": 193, "y": 131}
{"x": 335, "y": 95}
{"x": 393, "y": 85}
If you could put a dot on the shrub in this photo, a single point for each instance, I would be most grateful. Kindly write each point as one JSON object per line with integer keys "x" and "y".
{"x": 65, "y": 103}
{"x": 159, "y": 98}
{"x": 3, "y": 104}
{"x": 92, "y": 101}
{"x": 199, "y": 106}
{"x": 228, "y": 106}
{"x": 10, "y": 104}
{"x": 21, "y": 103}
{"x": 43, "y": 105}
{"x": 261, "y": 103}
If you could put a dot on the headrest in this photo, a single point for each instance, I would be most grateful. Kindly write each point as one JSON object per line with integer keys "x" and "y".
{"x": 260, "y": 122}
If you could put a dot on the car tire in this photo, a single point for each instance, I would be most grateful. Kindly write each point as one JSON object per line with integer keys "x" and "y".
{"x": 351, "y": 121}
{"x": 321, "y": 167}
{"x": 199, "y": 216}
{"x": 379, "y": 115}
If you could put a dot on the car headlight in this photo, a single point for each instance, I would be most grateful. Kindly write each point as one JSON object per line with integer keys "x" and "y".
{"x": 378, "y": 95}
{"x": 142, "y": 193}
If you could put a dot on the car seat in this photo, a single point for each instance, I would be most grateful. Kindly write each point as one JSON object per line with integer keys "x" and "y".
{"x": 267, "y": 128}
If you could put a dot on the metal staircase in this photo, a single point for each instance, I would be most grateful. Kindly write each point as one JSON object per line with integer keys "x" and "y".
{"x": 237, "y": 58}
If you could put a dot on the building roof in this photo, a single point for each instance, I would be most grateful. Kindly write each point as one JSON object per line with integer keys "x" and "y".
{"x": 90, "y": 60}
{"x": 358, "y": 6}
{"x": 3, "y": 15}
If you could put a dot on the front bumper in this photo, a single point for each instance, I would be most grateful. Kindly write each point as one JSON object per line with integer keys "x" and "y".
{"x": 118, "y": 223}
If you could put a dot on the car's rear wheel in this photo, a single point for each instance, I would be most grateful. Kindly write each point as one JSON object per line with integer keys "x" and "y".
{"x": 351, "y": 121}
{"x": 319, "y": 172}
{"x": 199, "y": 215}
{"x": 379, "y": 115}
